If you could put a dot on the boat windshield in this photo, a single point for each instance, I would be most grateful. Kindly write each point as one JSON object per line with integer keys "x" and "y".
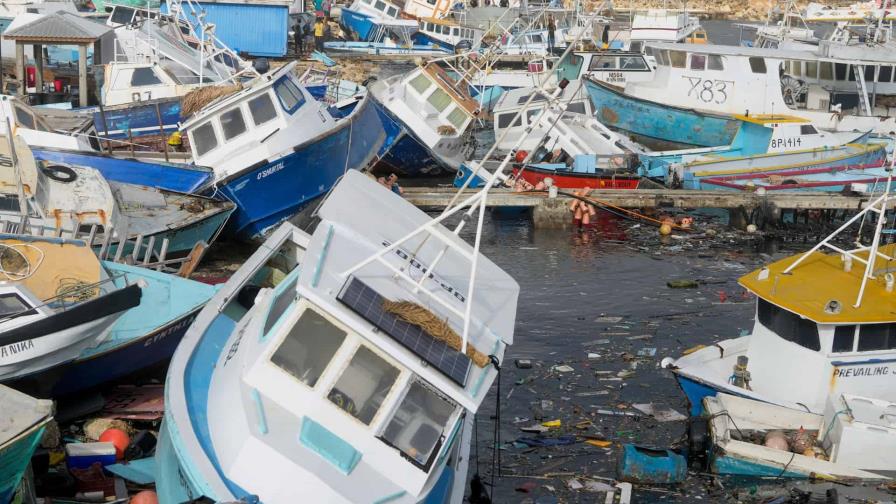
{"x": 417, "y": 428}
{"x": 289, "y": 94}
{"x": 13, "y": 305}
{"x": 788, "y": 325}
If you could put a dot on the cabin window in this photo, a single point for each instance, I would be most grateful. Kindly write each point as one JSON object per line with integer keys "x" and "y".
{"x": 808, "y": 129}
{"x": 662, "y": 58}
{"x": 812, "y": 69}
{"x": 843, "y": 338}
{"x": 698, "y": 62}
{"x": 232, "y": 123}
{"x": 757, "y": 65}
{"x": 393, "y": 12}
{"x": 431, "y": 2}
{"x": 262, "y": 109}
{"x": 421, "y": 83}
{"x": 504, "y": 120}
{"x": 796, "y": 68}
{"x": 826, "y": 71}
{"x": 532, "y": 114}
{"x": 602, "y": 63}
{"x": 886, "y": 74}
{"x": 24, "y": 118}
{"x": 632, "y": 63}
{"x": 290, "y": 96}
{"x": 789, "y": 325}
{"x": 204, "y": 138}
{"x": 283, "y": 300}
{"x": 714, "y": 62}
{"x": 368, "y": 2}
{"x": 536, "y": 39}
{"x": 869, "y": 73}
{"x": 678, "y": 58}
{"x": 12, "y": 304}
{"x": 122, "y": 15}
{"x": 457, "y": 117}
{"x": 380, "y": 6}
{"x": 577, "y": 107}
{"x": 439, "y": 99}
{"x": 876, "y": 337}
{"x": 144, "y": 77}
{"x": 636, "y": 46}
{"x": 309, "y": 347}
{"x": 840, "y": 71}
{"x": 416, "y": 429}
{"x": 364, "y": 385}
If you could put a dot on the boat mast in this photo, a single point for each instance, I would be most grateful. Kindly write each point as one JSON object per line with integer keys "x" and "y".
{"x": 879, "y": 206}
{"x": 474, "y": 204}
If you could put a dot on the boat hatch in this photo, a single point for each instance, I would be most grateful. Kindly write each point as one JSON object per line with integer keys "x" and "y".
{"x": 361, "y": 391}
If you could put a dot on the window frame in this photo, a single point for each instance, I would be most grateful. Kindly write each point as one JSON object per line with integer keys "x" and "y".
{"x": 193, "y": 142}
{"x": 159, "y": 82}
{"x": 239, "y": 110}
{"x": 695, "y": 57}
{"x": 388, "y": 406}
{"x": 719, "y": 64}
{"x": 301, "y": 307}
{"x": 266, "y": 94}
{"x": 755, "y": 65}
{"x": 285, "y": 81}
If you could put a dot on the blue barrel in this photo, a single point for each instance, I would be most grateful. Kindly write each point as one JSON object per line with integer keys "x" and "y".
{"x": 637, "y": 464}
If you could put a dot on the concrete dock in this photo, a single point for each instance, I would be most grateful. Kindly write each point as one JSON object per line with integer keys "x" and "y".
{"x": 744, "y": 207}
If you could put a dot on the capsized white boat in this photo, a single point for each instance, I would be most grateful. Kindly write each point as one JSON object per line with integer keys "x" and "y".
{"x": 21, "y": 428}
{"x": 314, "y": 374}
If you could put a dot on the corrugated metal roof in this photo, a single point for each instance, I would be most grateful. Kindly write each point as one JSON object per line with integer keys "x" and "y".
{"x": 259, "y": 30}
{"x": 60, "y": 26}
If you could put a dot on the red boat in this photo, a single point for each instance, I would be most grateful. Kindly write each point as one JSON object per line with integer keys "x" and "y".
{"x": 568, "y": 179}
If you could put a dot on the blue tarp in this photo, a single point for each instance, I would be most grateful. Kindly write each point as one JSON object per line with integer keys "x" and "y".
{"x": 259, "y": 30}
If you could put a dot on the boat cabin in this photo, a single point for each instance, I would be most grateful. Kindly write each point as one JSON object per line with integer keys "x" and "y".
{"x": 432, "y": 9}
{"x": 810, "y": 335}
{"x": 136, "y": 82}
{"x": 611, "y": 67}
{"x": 655, "y": 25}
{"x": 36, "y": 131}
{"x": 736, "y": 80}
{"x": 353, "y": 401}
{"x": 376, "y": 9}
{"x": 448, "y": 34}
{"x": 257, "y": 122}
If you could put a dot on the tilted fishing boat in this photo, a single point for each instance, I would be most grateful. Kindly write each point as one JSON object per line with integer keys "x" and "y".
{"x": 824, "y": 325}
{"x": 389, "y": 37}
{"x": 275, "y": 149}
{"x": 57, "y": 301}
{"x": 69, "y": 198}
{"x": 773, "y": 147}
{"x": 433, "y": 113}
{"x": 319, "y": 354}
{"x": 21, "y": 428}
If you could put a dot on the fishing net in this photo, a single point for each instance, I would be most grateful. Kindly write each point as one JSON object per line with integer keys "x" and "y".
{"x": 413, "y": 313}
{"x": 195, "y": 100}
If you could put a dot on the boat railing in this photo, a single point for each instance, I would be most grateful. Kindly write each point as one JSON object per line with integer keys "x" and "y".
{"x": 137, "y": 251}
{"x": 141, "y": 48}
{"x": 877, "y": 206}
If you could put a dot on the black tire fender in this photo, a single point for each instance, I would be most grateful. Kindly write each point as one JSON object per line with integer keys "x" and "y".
{"x": 59, "y": 173}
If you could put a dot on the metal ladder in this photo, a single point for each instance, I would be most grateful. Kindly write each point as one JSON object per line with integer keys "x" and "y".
{"x": 862, "y": 88}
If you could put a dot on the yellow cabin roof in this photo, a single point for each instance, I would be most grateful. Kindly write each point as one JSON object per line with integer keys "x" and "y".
{"x": 819, "y": 279}
{"x": 770, "y": 118}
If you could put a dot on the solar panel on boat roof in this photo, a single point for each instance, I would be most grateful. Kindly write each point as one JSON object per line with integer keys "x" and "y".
{"x": 369, "y": 304}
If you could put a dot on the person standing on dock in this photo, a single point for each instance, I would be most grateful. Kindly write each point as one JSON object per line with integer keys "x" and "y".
{"x": 299, "y": 36}
{"x": 551, "y": 27}
{"x": 319, "y": 34}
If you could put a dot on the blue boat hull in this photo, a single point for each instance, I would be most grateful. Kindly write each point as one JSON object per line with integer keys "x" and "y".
{"x": 14, "y": 460}
{"x": 359, "y": 25}
{"x": 139, "y": 118}
{"x": 407, "y": 155}
{"x": 181, "y": 240}
{"x": 695, "y": 391}
{"x": 276, "y": 190}
{"x": 167, "y": 176}
{"x": 658, "y": 121}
